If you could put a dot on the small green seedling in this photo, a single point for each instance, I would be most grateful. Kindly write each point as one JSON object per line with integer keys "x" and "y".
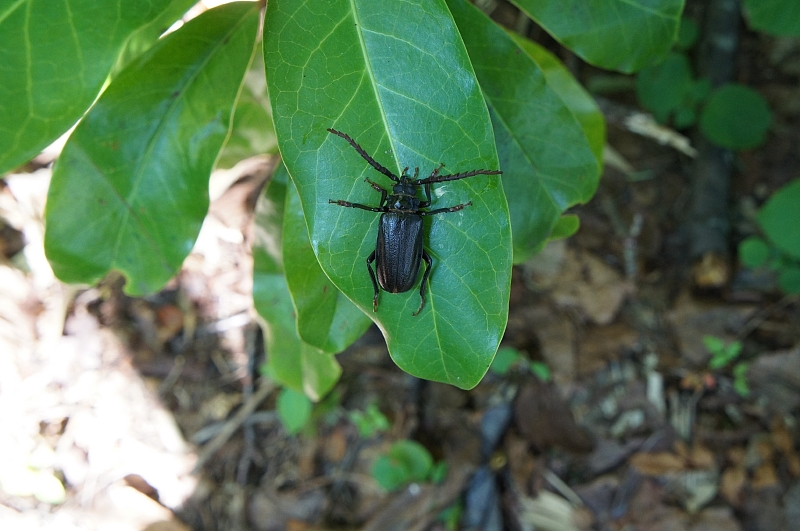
{"x": 369, "y": 422}
{"x": 406, "y": 462}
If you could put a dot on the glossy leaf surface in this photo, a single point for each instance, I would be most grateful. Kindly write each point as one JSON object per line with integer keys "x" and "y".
{"x": 326, "y": 318}
{"x": 623, "y": 35}
{"x": 130, "y": 190}
{"x": 549, "y": 132}
{"x": 395, "y": 76}
{"x": 290, "y": 361}
{"x": 55, "y": 57}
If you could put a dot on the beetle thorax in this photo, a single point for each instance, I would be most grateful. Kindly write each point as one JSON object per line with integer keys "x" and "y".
{"x": 404, "y": 187}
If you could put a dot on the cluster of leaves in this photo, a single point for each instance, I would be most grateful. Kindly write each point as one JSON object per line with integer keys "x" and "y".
{"x": 779, "y": 248}
{"x": 416, "y": 83}
{"x": 732, "y": 116}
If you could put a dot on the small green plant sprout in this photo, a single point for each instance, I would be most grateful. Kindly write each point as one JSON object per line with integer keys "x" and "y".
{"x": 450, "y": 516}
{"x": 294, "y": 410}
{"x": 505, "y": 358}
{"x": 541, "y": 371}
{"x": 740, "y": 379}
{"x": 779, "y": 248}
{"x": 406, "y": 462}
{"x": 369, "y": 422}
{"x": 508, "y": 357}
{"x": 721, "y": 353}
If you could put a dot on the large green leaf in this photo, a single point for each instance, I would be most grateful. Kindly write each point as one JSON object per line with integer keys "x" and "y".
{"x": 251, "y": 132}
{"x": 549, "y": 132}
{"x": 776, "y": 17}
{"x": 326, "y": 318}
{"x": 396, "y": 77}
{"x": 55, "y": 57}
{"x": 290, "y": 361}
{"x": 130, "y": 189}
{"x": 623, "y": 35}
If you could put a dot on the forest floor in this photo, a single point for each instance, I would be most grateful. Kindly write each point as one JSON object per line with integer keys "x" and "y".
{"x": 120, "y": 413}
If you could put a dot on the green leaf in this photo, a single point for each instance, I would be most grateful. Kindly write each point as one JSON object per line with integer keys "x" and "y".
{"x": 290, "y": 361}
{"x": 541, "y": 371}
{"x": 623, "y": 35}
{"x": 789, "y": 280}
{"x": 713, "y": 344}
{"x": 370, "y": 422}
{"x": 326, "y": 318}
{"x": 663, "y": 87}
{"x": 566, "y": 226}
{"x": 688, "y": 32}
{"x": 776, "y": 17}
{"x": 405, "y": 462}
{"x": 736, "y": 117}
{"x": 55, "y": 57}
{"x": 504, "y": 359}
{"x": 740, "y": 379}
{"x": 130, "y": 189}
{"x": 684, "y": 117}
{"x": 252, "y": 132}
{"x": 549, "y": 132}
{"x": 395, "y": 77}
{"x": 753, "y": 252}
{"x": 779, "y": 218}
{"x": 294, "y": 409}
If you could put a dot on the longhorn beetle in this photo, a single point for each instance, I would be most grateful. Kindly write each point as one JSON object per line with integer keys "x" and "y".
{"x": 400, "y": 248}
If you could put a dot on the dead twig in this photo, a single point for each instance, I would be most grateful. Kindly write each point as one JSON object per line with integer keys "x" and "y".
{"x": 233, "y": 424}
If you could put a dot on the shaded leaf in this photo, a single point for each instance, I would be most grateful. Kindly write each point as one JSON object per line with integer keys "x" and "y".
{"x": 662, "y": 88}
{"x": 294, "y": 409}
{"x": 736, "y": 117}
{"x": 623, "y": 35}
{"x": 55, "y": 58}
{"x": 290, "y": 361}
{"x": 326, "y": 318}
{"x": 252, "y": 132}
{"x": 753, "y": 252}
{"x": 407, "y": 93}
{"x": 549, "y": 132}
{"x": 776, "y": 17}
{"x": 780, "y": 219}
{"x": 139, "y": 162}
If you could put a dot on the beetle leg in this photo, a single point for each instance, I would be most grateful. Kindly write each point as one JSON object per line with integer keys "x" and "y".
{"x": 357, "y": 205}
{"x": 446, "y": 209}
{"x": 364, "y": 155}
{"x": 370, "y": 259}
{"x": 378, "y": 188}
{"x": 427, "y": 203}
{"x": 435, "y": 173}
{"x": 442, "y": 178}
{"x": 429, "y": 262}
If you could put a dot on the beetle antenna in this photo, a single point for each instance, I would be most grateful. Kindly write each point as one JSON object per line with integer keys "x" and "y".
{"x": 364, "y": 155}
{"x": 435, "y": 178}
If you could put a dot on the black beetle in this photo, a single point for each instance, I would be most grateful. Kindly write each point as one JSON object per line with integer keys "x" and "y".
{"x": 400, "y": 248}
